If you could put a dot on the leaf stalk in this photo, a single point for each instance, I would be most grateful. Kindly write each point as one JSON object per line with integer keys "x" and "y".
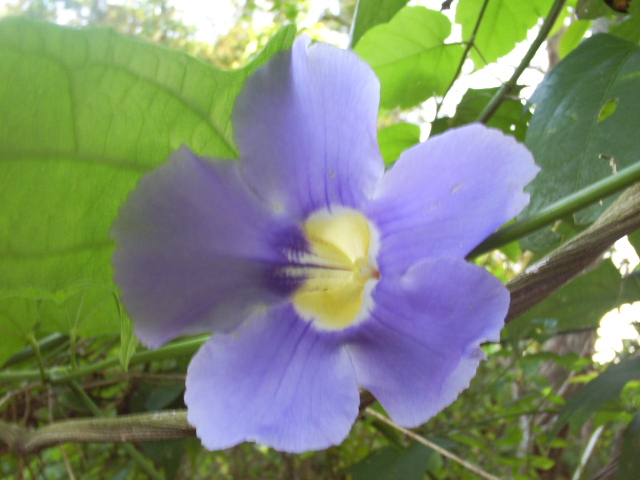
{"x": 508, "y": 87}
{"x": 569, "y": 204}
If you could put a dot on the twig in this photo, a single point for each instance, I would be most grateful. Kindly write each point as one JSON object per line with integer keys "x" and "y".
{"x": 13, "y": 393}
{"x": 506, "y": 89}
{"x": 433, "y": 446}
{"x": 469, "y": 44}
{"x": 67, "y": 464}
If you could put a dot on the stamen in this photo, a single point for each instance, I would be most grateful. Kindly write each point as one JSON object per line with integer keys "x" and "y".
{"x": 341, "y": 262}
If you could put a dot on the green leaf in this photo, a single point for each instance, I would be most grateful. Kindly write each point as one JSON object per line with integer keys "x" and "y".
{"x": 86, "y": 311}
{"x": 85, "y": 114}
{"x": 18, "y": 317}
{"x": 565, "y": 135}
{"x": 581, "y": 303}
{"x": 128, "y": 341}
{"x": 166, "y": 454}
{"x": 504, "y": 24}
{"x": 573, "y": 36}
{"x": 410, "y": 57}
{"x": 370, "y": 13}
{"x": 592, "y": 9}
{"x": 395, "y": 139}
{"x": 512, "y": 251}
{"x": 604, "y": 388}
{"x": 629, "y": 462}
{"x": 510, "y": 117}
{"x": 540, "y": 463}
{"x": 630, "y": 28}
{"x": 392, "y": 463}
{"x": 161, "y": 396}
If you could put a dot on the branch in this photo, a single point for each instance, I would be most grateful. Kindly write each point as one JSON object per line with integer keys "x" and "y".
{"x": 574, "y": 257}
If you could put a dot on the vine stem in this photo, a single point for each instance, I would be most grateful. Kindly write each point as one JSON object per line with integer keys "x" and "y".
{"x": 63, "y": 375}
{"x": 48, "y": 343}
{"x": 44, "y": 378}
{"x": 137, "y": 427}
{"x": 569, "y": 204}
{"x": 508, "y": 87}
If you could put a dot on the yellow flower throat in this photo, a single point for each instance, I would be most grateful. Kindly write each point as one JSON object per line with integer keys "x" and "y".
{"x": 339, "y": 272}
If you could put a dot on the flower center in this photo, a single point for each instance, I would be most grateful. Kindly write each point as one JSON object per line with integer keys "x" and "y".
{"x": 339, "y": 272}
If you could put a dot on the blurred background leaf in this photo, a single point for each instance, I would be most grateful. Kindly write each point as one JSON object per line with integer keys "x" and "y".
{"x": 604, "y": 388}
{"x": 630, "y": 451}
{"x": 393, "y": 463}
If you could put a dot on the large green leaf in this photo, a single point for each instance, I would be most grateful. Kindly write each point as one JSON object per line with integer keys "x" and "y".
{"x": 602, "y": 389}
{"x": 410, "y": 57}
{"x": 581, "y": 303}
{"x": 504, "y": 24}
{"x": 585, "y": 122}
{"x": 370, "y": 13}
{"x": 85, "y": 114}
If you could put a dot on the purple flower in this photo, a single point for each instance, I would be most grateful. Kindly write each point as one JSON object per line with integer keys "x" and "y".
{"x": 318, "y": 271}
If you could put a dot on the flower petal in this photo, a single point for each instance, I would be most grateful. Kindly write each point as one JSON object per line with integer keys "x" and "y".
{"x": 306, "y": 127}
{"x": 276, "y": 381}
{"x": 197, "y": 250}
{"x": 446, "y": 195}
{"x": 420, "y": 348}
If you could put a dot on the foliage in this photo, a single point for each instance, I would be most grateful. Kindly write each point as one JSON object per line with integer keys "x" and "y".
{"x": 420, "y": 56}
{"x": 85, "y": 112}
{"x": 583, "y": 128}
{"x": 88, "y": 145}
